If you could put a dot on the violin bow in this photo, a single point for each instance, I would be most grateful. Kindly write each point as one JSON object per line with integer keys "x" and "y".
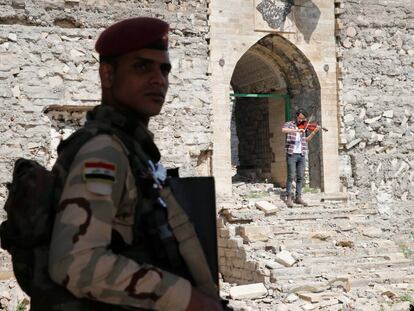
{"x": 307, "y": 123}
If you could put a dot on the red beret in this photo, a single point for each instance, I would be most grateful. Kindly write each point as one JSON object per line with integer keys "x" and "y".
{"x": 131, "y": 35}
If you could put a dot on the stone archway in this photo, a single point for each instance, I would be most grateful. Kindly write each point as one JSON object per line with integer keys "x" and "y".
{"x": 308, "y": 56}
{"x": 273, "y": 65}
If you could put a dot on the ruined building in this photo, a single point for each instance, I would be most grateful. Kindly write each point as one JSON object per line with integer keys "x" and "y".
{"x": 348, "y": 63}
{"x": 240, "y": 68}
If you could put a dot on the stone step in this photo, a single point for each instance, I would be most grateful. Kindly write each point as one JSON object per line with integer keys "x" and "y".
{"x": 312, "y": 228}
{"x": 304, "y": 240}
{"x": 283, "y": 275}
{"x": 328, "y": 249}
{"x": 335, "y": 252}
{"x": 352, "y": 259}
{"x": 358, "y": 282}
{"x": 323, "y": 286}
{"x": 319, "y": 211}
{"x": 332, "y": 252}
{"x": 325, "y": 217}
{"x": 358, "y": 279}
{"x": 340, "y": 196}
{"x": 384, "y": 271}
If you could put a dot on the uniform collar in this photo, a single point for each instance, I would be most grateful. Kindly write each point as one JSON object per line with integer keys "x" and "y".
{"x": 129, "y": 123}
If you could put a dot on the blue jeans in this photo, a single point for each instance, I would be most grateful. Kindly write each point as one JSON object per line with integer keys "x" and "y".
{"x": 296, "y": 166}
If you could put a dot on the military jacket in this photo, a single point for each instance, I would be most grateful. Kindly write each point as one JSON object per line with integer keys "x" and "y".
{"x": 100, "y": 195}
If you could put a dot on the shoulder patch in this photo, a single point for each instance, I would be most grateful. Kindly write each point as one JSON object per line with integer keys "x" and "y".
{"x": 99, "y": 176}
{"x": 99, "y": 171}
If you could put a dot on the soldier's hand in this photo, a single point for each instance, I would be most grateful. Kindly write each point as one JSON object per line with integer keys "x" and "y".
{"x": 201, "y": 302}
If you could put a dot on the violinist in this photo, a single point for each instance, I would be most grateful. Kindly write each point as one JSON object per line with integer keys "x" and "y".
{"x": 296, "y": 149}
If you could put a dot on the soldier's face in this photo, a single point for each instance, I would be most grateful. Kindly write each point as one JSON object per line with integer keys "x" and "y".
{"x": 140, "y": 81}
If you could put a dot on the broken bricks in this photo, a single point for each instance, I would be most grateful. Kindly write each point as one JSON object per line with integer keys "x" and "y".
{"x": 250, "y": 291}
{"x": 285, "y": 258}
{"x": 253, "y": 233}
{"x": 266, "y": 207}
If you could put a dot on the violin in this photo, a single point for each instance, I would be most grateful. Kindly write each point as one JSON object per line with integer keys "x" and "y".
{"x": 311, "y": 126}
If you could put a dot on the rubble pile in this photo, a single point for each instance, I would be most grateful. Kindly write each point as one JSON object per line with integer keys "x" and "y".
{"x": 331, "y": 255}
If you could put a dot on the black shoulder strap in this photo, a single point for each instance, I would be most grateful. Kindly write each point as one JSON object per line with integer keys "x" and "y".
{"x": 69, "y": 147}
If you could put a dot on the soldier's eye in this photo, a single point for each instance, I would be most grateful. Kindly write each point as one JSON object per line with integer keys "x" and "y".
{"x": 141, "y": 66}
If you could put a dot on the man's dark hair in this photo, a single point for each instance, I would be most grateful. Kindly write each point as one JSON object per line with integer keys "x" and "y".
{"x": 301, "y": 111}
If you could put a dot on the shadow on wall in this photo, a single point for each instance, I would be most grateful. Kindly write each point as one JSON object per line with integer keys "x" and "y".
{"x": 306, "y": 17}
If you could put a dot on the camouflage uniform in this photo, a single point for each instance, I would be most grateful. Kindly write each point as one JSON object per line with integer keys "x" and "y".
{"x": 99, "y": 198}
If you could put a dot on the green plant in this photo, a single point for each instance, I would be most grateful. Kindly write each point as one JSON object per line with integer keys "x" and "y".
{"x": 406, "y": 250}
{"x": 256, "y": 194}
{"x": 307, "y": 189}
{"x": 21, "y": 306}
{"x": 407, "y": 297}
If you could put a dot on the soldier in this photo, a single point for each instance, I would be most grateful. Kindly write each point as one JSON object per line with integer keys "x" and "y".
{"x": 97, "y": 210}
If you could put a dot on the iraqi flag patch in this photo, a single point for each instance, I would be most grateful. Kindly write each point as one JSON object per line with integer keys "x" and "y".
{"x": 99, "y": 172}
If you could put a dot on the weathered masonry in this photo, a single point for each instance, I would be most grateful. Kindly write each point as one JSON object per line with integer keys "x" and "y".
{"x": 49, "y": 79}
{"x": 375, "y": 44}
{"x": 246, "y": 63}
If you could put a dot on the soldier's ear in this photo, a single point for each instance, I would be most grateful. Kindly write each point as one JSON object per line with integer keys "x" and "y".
{"x": 106, "y": 73}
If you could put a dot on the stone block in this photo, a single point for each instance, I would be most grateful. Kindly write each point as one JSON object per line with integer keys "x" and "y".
{"x": 309, "y": 306}
{"x": 224, "y": 233}
{"x": 266, "y": 207}
{"x": 250, "y": 265}
{"x": 8, "y": 62}
{"x": 353, "y": 143}
{"x": 230, "y": 253}
{"x": 222, "y": 243}
{"x": 238, "y": 263}
{"x": 351, "y": 32}
{"x": 291, "y": 298}
{"x": 236, "y": 242}
{"x": 342, "y": 282}
{"x": 372, "y": 120}
{"x": 311, "y": 297}
{"x": 285, "y": 258}
{"x": 253, "y": 233}
{"x": 273, "y": 265}
{"x": 236, "y": 273}
{"x": 12, "y": 37}
{"x": 388, "y": 113}
{"x": 250, "y": 291}
{"x": 372, "y": 232}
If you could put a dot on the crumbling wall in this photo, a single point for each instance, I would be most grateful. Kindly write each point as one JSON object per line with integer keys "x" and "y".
{"x": 376, "y": 64}
{"x": 235, "y": 265}
{"x": 47, "y": 58}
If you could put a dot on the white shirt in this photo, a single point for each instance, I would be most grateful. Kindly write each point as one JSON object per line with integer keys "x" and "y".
{"x": 298, "y": 144}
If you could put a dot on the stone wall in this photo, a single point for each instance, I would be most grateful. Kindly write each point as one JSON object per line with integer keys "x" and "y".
{"x": 376, "y": 55}
{"x": 47, "y": 58}
{"x": 235, "y": 264}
